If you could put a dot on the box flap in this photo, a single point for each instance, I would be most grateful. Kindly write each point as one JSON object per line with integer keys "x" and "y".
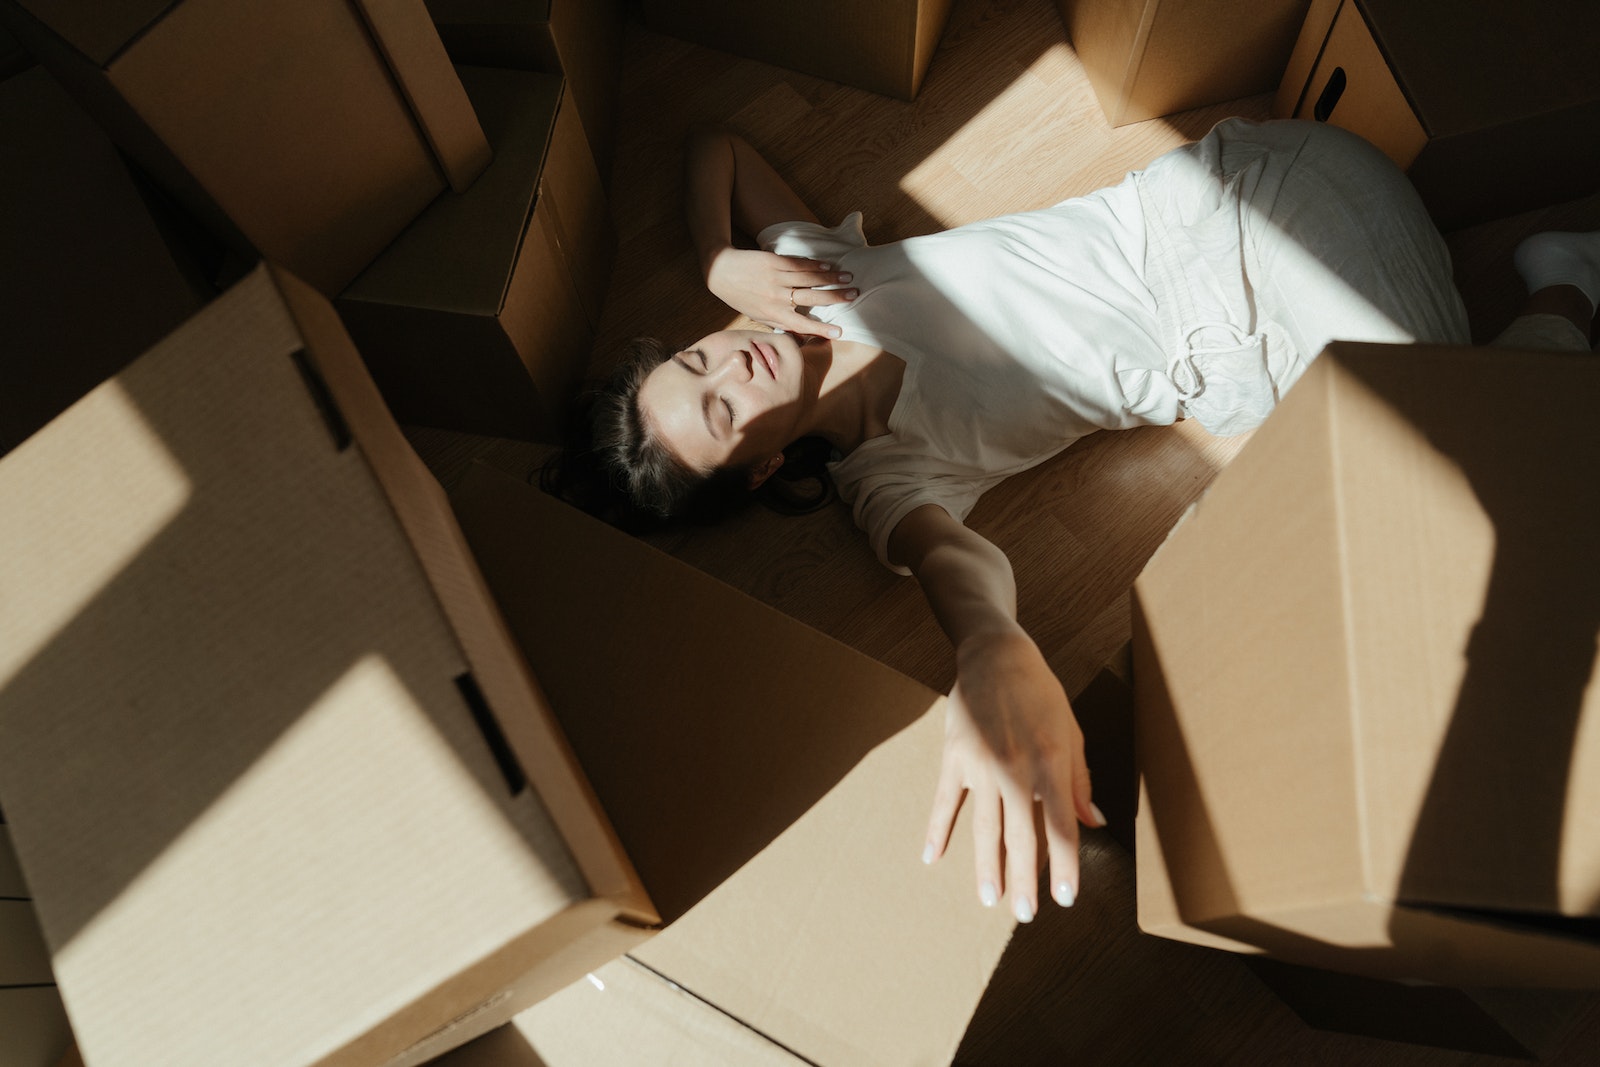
{"x": 459, "y": 253}
{"x": 771, "y": 784}
{"x": 1508, "y": 60}
{"x": 607, "y": 1018}
{"x": 670, "y": 683}
{"x": 512, "y": 697}
{"x": 240, "y": 747}
{"x": 1468, "y": 518}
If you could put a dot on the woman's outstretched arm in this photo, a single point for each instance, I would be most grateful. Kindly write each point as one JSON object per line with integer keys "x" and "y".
{"x": 727, "y": 184}
{"x": 1010, "y": 736}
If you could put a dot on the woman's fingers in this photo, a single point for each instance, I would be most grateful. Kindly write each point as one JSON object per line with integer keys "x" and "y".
{"x": 1061, "y": 841}
{"x": 805, "y": 297}
{"x": 942, "y": 819}
{"x": 1022, "y": 874}
{"x": 986, "y": 844}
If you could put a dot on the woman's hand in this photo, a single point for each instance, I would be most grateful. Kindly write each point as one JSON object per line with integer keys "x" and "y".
{"x": 1011, "y": 740}
{"x": 774, "y": 289}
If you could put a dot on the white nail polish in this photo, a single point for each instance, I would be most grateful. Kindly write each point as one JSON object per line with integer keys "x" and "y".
{"x": 1094, "y": 809}
{"x": 1064, "y": 894}
{"x": 1024, "y": 911}
{"x": 927, "y": 853}
{"x": 987, "y": 894}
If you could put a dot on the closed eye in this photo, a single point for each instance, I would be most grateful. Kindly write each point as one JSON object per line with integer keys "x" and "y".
{"x": 733, "y": 416}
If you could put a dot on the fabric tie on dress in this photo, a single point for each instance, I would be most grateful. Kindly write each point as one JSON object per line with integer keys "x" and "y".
{"x": 1218, "y": 367}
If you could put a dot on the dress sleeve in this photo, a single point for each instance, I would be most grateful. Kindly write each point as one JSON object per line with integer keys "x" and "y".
{"x": 812, "y": 240}
{"x": 880, "y": 499}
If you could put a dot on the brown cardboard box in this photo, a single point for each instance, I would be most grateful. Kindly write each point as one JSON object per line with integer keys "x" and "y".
{"x": 579, "y": 39}
{"x": 1492, "y": 109}
{"x": 480, "y": 316}
{"x": 1369, "y": 737}
{"x": 1147, "y": 58}
{"x": 881, "y": 45}
{"x": 74, "y": 236}
{"x": 311, "y": 132}
{"x": 770, "y": 784}
{"x": 281, "y": 786}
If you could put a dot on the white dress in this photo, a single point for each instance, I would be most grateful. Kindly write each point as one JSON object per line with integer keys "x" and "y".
{"x": 1199, "y": 287}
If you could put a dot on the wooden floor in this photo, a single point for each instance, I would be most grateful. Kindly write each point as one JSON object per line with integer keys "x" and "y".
{"x": 1006, "y": 121}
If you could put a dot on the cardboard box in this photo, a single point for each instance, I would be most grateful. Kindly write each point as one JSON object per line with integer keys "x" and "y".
{"x": 309, "y": 131}
{"x": 1490, "y": 114}
{"x": 480, "y": 316}
{"x": 579, "y": 39}
{"x": 1369, "y": 734}
{"x": 86, "y": 282}
{"x": 1147, "y": 58}
{"x": 281, "y": 786}
{"x": 770, "y": 784}
{"x": 881, "y": 45}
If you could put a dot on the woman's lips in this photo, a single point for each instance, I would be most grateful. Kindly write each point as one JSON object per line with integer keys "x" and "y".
{"x": 769, "y": 357}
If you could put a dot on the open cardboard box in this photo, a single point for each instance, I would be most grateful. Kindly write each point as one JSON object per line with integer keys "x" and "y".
{"x": 1364, "y": 666}
{"x": 74, "y": 236}
{"x": 1491, "y": 111}
{"x": 281, "y": 786}
{"x": 480, "y": 316}
{"x": 310, "y": 132}
{"x": 1147, "y": 58}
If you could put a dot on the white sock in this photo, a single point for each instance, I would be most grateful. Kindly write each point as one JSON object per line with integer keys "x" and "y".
{"x": 1547, "y": 259}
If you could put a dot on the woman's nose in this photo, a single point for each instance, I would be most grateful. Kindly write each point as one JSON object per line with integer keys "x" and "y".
{"x": 739, "y": 365}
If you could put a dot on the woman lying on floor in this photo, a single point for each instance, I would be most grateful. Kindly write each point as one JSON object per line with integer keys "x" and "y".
{"x": 936, "y": 366}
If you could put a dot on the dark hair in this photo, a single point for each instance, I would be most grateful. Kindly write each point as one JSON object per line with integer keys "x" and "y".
{"x": 616, "y": 467}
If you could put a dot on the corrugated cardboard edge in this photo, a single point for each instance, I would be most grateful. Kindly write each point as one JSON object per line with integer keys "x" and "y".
{"x": 520, "y": 707}
{"x": 411, "y": 47}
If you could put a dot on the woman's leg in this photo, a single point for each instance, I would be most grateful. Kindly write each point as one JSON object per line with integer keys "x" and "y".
{"x": 1562, "y": 273}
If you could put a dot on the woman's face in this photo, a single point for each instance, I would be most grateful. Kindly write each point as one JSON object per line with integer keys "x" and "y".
{"x": 733, "y": 398}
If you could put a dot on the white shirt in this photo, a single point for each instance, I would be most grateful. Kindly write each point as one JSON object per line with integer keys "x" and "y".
{"x": 1020, "y": 335}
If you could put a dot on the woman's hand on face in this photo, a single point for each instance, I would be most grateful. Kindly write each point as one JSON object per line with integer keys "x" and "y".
{"x": 1011, "y": 740}
{"x": 776, "y": 290}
